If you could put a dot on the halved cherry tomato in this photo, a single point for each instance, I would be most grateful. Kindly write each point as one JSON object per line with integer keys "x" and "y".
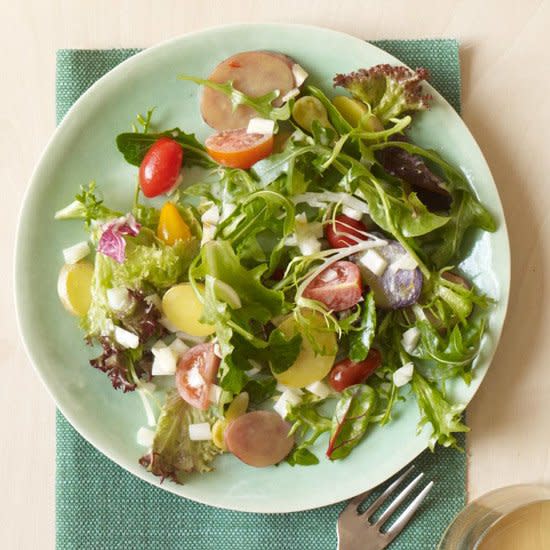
{"x": 338, "y": 287}
{"x": 195, "y": 374}
{"x": 347, "y": 373}
{"x": 345, "y": 231}
{"x": 237, "y": 149}
{"x": 160, "y": 168}
{"x": 172, "y": 227}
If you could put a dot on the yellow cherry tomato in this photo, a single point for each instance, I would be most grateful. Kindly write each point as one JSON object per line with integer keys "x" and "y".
{"x": 309, "y": 366}
{"x": 184, "y": 310}
{"x": 171, "y": 227}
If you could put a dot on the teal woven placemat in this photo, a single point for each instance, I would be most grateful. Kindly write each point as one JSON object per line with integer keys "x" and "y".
{"x": 101, "y": 506}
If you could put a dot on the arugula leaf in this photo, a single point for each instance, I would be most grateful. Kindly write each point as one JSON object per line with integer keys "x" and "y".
{"x": 444, "y": 418}
{"x": 351, "y": 418}
{"x": 174, "y": 455}
{"x": 466, "y": 212}
{"x": 341, "y": 125}
{"x": 262, "y": 104}
{"x": 265, "y": 216}
{"x": 406, "y": 216}
{"x": 453, "y": 352}
{"x": 269, "y": 169}
{"x": 134, "y": 146}
{"x": 360, "y": 340}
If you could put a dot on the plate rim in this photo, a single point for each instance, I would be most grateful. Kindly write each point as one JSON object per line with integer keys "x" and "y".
{"x": 33, "y": 182}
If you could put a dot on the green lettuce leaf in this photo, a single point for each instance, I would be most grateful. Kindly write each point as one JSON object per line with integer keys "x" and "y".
{"x": 263, "y": 105}
{"x": 174, "y": 455}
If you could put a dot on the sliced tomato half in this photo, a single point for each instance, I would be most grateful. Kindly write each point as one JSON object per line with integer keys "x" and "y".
{"x": 338, "y": 287}
{"x": 237, "y": 149}
{"x": 195, "y": 374}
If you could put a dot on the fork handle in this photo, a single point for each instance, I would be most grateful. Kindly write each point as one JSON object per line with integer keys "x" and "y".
{"x": 351, "y": 540}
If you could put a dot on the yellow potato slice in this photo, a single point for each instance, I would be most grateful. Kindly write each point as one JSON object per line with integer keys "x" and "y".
{"x": 309, "y": 366}
{"x": 74, "y": 287}
{"x": 183, "y": 309}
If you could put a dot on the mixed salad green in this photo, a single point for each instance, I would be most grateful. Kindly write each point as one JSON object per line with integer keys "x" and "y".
{"x": 304, "y": 286}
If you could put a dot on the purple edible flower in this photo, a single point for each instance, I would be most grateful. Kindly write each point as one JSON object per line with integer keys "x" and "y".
{"x": 112, "y": 243}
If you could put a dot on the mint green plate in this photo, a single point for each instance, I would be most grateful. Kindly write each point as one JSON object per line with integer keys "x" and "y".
{"x": 83, "y": 149}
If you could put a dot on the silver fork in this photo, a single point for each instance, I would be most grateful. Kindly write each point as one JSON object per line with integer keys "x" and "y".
{"x": 355, "y": 530}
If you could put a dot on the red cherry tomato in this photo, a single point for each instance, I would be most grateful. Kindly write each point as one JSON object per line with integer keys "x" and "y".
{"x": 195, "y": 374}
{"x": 238, "y": 149}
{"x": 345, "y": 232}
{"x": 338, "y": 287}
{"x": 160, "y": 168}
{"x": 347, "y": 373}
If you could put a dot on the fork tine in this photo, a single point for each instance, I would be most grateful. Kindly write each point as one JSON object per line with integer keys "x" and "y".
{"x": 355, "y": 502}
{"x": 409, "y": 512}
{"x": 384, "y": 496}
{"x": 398, "y": 500}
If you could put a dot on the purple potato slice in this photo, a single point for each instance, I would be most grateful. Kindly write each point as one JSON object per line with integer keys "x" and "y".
{"x": 395, "y": 288}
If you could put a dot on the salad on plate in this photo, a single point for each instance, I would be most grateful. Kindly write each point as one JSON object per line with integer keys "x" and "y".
{"x": 274, "y": 292}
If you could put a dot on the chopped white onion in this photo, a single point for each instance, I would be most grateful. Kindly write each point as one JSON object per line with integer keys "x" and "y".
{"x": 320, "y": 389}
{"x": 75, "y": 253}
{"x": 119, "y": 298}
{"x": 405, "y": 262}
{"x": 410, "y": 339}
{"x": 300, "y": 75}
{"x": 290, "y": 94}
{"x": 178, "y": 347}
{"x": 126, "y": 338}
{"x": 200, "y": 432}
{"x": 374, "y": 262}
{"x": 208, "y": 233}
{"x": 164, "y": 362}
{"x": 403, "y": 375}
{"x": 288, "y": 397}
{"x": 352, "y": 213}
{"x": 263, "y": 126}
{"x": 214, "y": 393}
{"x": 211, "y": 216}
{"x": 282, "y": 388}
{"x": 309, "y": 246}
{"x": 145, "y": 437}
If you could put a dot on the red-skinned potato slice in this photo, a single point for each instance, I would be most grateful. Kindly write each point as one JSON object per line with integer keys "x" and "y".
{"x": 338, "y": 287}
{"x": 254, "y": 73}
{"x": 195, "y": 374}
{"x": 259, "y": 438}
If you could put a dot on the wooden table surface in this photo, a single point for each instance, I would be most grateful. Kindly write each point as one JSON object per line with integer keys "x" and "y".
{"x": 506, "y": 103}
